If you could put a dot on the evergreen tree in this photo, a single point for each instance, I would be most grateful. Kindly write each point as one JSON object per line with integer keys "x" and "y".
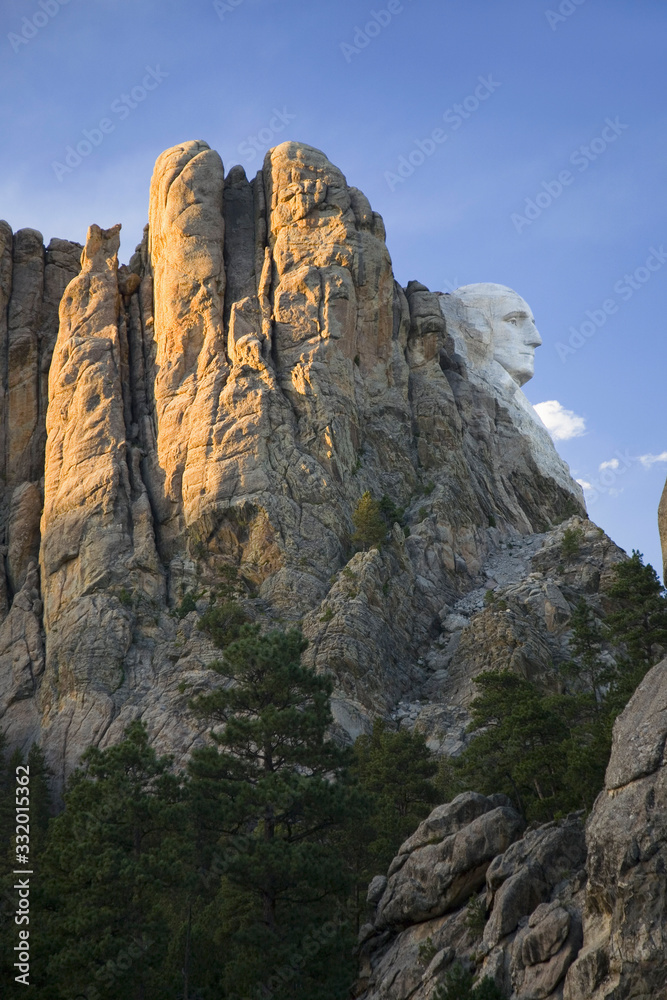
{"x": 114, "y": 878}
{"x": 395, "y": 772}
{"x": 460, "y": 984}
{"x": 520, "y": 749}
{"x": 274, "y": 789}
{"x": 371, "y": 527}
{"x": 586, "y": 644}
{"x": 639, "y": 620}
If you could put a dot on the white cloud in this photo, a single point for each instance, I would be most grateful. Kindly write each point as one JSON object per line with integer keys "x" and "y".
{"x": 584, "y": 485}
{"x": 649, "y": 460}
{"x": 613, "y": 463}
{"x": 562, "y": 424}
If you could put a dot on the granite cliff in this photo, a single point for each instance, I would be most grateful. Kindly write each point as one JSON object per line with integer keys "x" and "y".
{"x": 223, "y": 401}
{"x": 214, "y": 410}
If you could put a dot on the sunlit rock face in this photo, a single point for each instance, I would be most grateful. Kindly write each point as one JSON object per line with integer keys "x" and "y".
{"x": 494, "y": 331}
{"x": 222, "y": 403}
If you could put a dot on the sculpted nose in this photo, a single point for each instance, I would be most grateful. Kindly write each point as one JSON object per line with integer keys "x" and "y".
{"x": 534, "y": 339}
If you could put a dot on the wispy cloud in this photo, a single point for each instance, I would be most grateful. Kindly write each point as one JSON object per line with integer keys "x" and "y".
{"x": 562, "y": 424}
{"x": 613, "y": 463}
{"x": 649, "y": 460}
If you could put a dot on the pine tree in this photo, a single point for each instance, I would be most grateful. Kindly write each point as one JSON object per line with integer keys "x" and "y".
{"x": 586, "y": 645}
{"x": 395, "y": 772}
{"x": 276, "y": 788}
{"x": 520, "y": 750}
{"x": 639, "y": 621}
{"x": 460, "y": 984}
{"x": 371, "y": 527}
{"x": 114, "y": 878}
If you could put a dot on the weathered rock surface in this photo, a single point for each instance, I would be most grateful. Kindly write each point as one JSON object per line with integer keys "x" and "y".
{"x": 222, "y": 402}
{"x": 446, "y": 859}
{"x": 568, "y": 917}
{"x": 533, "y": 900}
{"x": 32, "y": 281}
{"x": 625, "y": 920}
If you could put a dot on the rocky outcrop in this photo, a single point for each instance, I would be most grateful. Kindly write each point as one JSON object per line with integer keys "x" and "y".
{"x": 523, "y": 932}
{"x": 220, "y": 404}
{"x": 565, "y": 916}
{"x": 32, "y": 281}
{"x": 215, "y": 409}
{"x": 625, "y": 920}
{"x": 97, "y": 537}
{"x": 446, "y": 859}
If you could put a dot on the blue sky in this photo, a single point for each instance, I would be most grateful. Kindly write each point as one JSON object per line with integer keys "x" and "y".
{"x": 573, "y": 90}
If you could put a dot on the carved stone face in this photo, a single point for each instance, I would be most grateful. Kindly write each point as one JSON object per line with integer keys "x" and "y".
{"x": 515, "y": 337}
{"x": 513, "y": 330}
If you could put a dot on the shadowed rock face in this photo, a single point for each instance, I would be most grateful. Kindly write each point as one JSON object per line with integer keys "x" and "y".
{"x": 569, "y": 916}
{"x": 223, "y": 401}
{"x": 625, "y": 922}
{"x": 419, "y": 926}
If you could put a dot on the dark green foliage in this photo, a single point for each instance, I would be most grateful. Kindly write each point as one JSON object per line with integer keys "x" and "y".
{"x": 224, "y": 616}
{"x": 395, "y": 772}
{"x": 476, "y": 915}
{"x": 571, "y": 543}
{"x": 460, "y": 984}
{"x": 222, "y": 622}
{"x": 586, "y": 644}
{"x": 640, "y": 620}
{"x": 114, "y": 877}
{"x": 390, "y": 512}
{"x": 370, "y": 525}
{"x": 188, "y": 604}
{"x": 125, "y": 597}
{"x": 269, "y": 796}
{"x": 520, "y": 751}
{"x": 549, "y": 752}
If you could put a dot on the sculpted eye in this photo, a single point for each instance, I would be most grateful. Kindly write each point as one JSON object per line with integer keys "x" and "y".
{"x": 512, "y": 321}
